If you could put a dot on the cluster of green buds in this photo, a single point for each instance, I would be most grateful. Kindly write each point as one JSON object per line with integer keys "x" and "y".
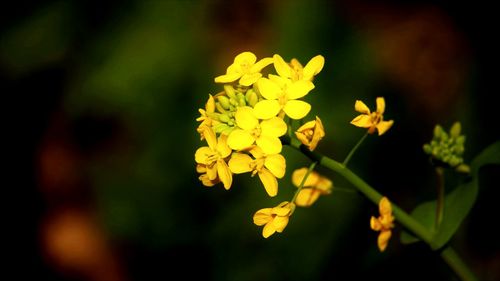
{"x": 446, "y": 149}
{"x": 226, "y": 104}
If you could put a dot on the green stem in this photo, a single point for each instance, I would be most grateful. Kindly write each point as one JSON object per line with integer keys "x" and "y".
{"x": 440, "y": 197}
{"x": 450, "y": 257}
{"x": 301, "y": 185}
{"x": 351, "y": 153}
{"x": 457, "y": 264}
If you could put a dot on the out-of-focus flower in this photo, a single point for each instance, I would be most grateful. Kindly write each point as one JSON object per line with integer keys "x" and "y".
{"x": 311, "y": 133}
{"x": 384, "y": 223}
{"x": 314, "y": 186}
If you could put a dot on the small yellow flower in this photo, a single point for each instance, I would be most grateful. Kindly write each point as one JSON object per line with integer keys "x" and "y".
{"x": 268, "y": 167}
{"x": 384, "y": 223}
{"x": 212, "y": 157}
{"x": 265, "y": 134}
{"x": 280, "y": 95}
{"x": 274, "y": 219}
{"x": 372, "y": 120}
{"x": 205, "y": 118}
{"x": 295, "y": 71}
{"x": 205, "y": 180}
{"x": 311, "y": 133}
{"x": 314, "y": 186}
{"x": 245, "y": 68}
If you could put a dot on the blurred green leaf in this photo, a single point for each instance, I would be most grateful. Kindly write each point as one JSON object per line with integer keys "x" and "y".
{"x": 458, "y": 203}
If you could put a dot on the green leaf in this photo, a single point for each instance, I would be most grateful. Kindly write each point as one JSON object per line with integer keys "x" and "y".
{"x": 457, "y": 204}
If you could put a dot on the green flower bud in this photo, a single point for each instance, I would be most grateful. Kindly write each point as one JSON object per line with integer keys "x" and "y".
{"x": 219, "y": 128}
{"x": 252, "y": 97}
{"x": 463, "y": 168}
{"x": 224, "y": 118}
{"x": 455, "y": 130}
{"x": 230, "y": 91}
{"x": 427, "y": 148}
{"x": 438, "y": 131}
{"x": 224, "y": 101}
{"x": 219, "y": 107}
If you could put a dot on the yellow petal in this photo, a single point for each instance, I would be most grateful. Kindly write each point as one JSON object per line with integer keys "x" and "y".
{"x": 282, "y": 68}
{"x": 280, "y": 223}
{"x": 383, "y": 239}
{"x": 324, "y": 185}
{"x": 297, "y": 109}
{"x": 383, "y": 126}
{"x": 385, "y": 206}
{"x": 375, "y": 224}
{"x": 298, "y": 176}
{"x": 239, "y": 139}
{"x": 268, "y": 89}
{"x": 266, "y": 109}
{"x": 280, "y": 81}
{"x": 245, "y": 118}
{"x": 276, "y": 164}
{"x": 269, "y": 181}
{"x": 299, "y": 89}
{"x": 268, "y": 230}
{"x": 363, "y": 121}
{"x": 262, "y": 216}
{"x": 201, "y": 155}
{"x": 224, "y": 174}
{"x": 201, "y": 168}
{"x": 269, "y": 145}
{"x": 249, "y": 79}
{"x": 227, "y": 78}
{"x": 212, "y": 172}
{"x": 222, "y": 147}
{"x": 380, "y": 105}
{"x": 206, "y": 181}
{"x": 307, "y": 126}
{"x": 261, "y": 64}
{"x": 304, "y": 139}
{"x": 274, "y": 127}
{"x": 313, "y": 67}
{"x": 283, "y": 209}
{"x": 361, "y": 107}
{"x": 209, "y": 135}
{"x": 240, "y": 163}
{"x": 210, "y": 105}
{"x": 245, "y": 58}
{"x": 306, "y": 197}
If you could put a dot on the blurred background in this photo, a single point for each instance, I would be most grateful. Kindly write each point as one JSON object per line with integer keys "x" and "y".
{"x": 103, "y": 98}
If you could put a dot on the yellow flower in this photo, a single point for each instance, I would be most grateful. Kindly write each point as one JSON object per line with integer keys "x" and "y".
{"x": 281, "y": 94}
{"x": 265, "y": 134}
{"x": 274, "y": 219}
{"x": 212, "y": 157}
{"x": 268, "y": 167}
{"x": 295, "y": 71}
{"x": 205, "y": 180}
{"x": 314, "y": 186}
{"x": 205, "y": 118}
{"x": 372, "y": 120}
{"x": 383, "y": 223}
{"x": 245, "y": 68}
{"x": 311, "y": 133}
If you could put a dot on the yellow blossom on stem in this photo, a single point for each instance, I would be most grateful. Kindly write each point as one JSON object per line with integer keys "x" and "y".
{"x": 212, "y": 157}
{"x": 384, "y": 223}
{"x": 280, "y": 95}
{"x": 295, "y": 71}
{"x": 372, "y": 120}
{"x": 314, "y": 186}
{"x": 265, "y": 133}
{"x": 268, "y": 167}
{"x": 245, "y": 68}
{"x": 205, "y": 118}
{"x": 311, "y": 133}
{"x": 274, "y": 219}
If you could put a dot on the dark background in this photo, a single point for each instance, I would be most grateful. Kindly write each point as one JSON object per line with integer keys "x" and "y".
{"x": 100, "y": 101}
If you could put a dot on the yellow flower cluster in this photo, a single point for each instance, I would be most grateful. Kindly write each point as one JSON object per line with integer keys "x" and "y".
{"x": 242, "y": 124}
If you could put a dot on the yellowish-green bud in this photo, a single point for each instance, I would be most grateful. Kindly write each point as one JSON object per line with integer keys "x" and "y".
{"x": 463, "y": 168}
{"x": 230, "y": 91}
{"x": 219, "y": 107}
{"x": 224, "y": 102}
{"x": 252, "y": 97}
{"x": 455, "y": 130}
{"x": 219, "y": 128}
{"x": 224, "y": 118}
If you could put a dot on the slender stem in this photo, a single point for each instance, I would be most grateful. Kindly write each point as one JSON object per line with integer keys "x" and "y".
{"x": 351, "y": 153}
{"x": 301, "y": 185}
{"x": 448, "y": 255}
{"x": 440, "y": 197}
{"x": 457, "y": 264}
